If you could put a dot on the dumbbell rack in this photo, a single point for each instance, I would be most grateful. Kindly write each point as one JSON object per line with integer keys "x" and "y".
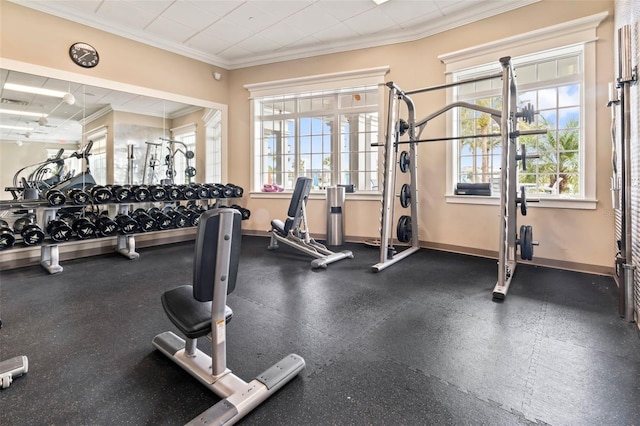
{"x": 50, "y": 254}
{"x": 125, "y": 244}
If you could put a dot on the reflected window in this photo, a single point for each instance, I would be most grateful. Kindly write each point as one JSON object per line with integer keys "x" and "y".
{"x": 98, "y": 157}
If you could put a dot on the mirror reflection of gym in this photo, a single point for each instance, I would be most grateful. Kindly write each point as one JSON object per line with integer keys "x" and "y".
{"x": 35, "y": 127}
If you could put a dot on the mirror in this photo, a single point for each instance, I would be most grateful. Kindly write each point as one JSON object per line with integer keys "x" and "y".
{"x": 136, "y": 139}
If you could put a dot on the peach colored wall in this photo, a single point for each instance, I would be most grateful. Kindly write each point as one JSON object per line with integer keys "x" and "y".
{"x": 37, "y": 38}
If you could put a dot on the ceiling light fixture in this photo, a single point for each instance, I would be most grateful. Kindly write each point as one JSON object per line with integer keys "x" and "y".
{"x": 379, "y": 2}
{"x": 34, "y": 90}
{"x": 24, "y": 113}
{"x": 2, "y": 126}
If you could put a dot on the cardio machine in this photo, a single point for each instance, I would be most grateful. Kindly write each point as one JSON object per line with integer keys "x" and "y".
{"x": 34, "y": 185}
{"x": 200, "y": 310}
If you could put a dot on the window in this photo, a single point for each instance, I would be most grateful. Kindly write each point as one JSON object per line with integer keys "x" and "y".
{"x": 552, "y": 82}
{"x": 325, "y": 133}
{"x": 554, "y": 66}
{"x": 98, "y": 157}
{"x": 213, "y": 146}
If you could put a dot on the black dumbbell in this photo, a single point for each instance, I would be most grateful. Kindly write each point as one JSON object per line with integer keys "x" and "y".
{"x": 146, "y": 222}
{"x": 245, "y": 213}
{"x": 84, "y": 228}
{"x": 55, "y": 197}
{"x": 189, "y": 192}
{"x": 78, "y": 196}
{"x": 174, "y": 192}
{"x": 157, "y": 192}
{"x": 202, "y": 190}
{"x": 214, "y": 190}
{"x": 32, "y": 234}
{"x": 121, "y": 194}
{"x": 126, "y": 223}
{"x": 162, "y": 220}
{"x": 193, "y": 215}
{"x": 7, "y": 237}
{"x": 179, "y": 219}
{"x": 100, "y": 194}
{"x": 59, "y": 230}
{"x": 21, "y": 222}
{"x": 227, "y": 191}
{"x": 238, "y": 191}
{"x": 106, "y": 226}
{"x": 141, "y": 193}
{"x": 30, "y": 231}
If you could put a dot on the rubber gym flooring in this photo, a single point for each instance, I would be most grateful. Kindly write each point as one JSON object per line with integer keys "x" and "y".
{"x": 420, "y": 343}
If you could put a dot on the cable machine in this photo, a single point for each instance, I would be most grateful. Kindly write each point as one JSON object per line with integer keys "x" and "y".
{"x": 189, "y": 170}
{"x": 406, "y": 161}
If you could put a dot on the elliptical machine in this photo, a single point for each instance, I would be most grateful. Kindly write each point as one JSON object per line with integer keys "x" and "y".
{"x": 34, "y": 186}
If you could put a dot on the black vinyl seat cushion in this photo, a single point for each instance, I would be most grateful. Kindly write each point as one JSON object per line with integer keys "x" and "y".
{"x": 278, "y": 226}
{"x": 193, "y": 318}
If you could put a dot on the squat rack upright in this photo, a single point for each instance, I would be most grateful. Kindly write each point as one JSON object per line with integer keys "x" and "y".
{"x": 507, "y": 120}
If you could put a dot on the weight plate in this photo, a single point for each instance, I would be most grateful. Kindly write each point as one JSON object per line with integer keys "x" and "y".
{"x": 403, "y": 231}
{"x": 405, "y": 195}
{"x": 526, "y": 242}
{"x": 404, "y": 162}
{"x": 523, "y": 201}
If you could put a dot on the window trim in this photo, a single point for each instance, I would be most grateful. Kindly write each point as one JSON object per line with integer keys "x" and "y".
{"x": 577, "y": 32}
{"x": 332, "y": 81}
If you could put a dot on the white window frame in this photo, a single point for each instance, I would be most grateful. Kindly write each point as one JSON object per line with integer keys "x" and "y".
{"x": 577, "y": 32}
{"x": 214, "y": 167}
{"x": 98, "y": 157}
{"x": 316, "y": 83}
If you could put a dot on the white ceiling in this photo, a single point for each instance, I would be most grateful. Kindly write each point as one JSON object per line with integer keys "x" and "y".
{"x": 239, "y": 33}
{"x": 226, "y": 33}
{"x": 64, "y": 122}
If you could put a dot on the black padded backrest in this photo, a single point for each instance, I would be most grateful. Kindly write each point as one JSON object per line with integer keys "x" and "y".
{"x": 207, "y": 239}
{"x": 299, "y": 197}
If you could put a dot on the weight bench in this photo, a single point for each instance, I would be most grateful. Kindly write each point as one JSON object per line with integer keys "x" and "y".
{"x": 294, "y": 232}
{"x": 200, "y": 310}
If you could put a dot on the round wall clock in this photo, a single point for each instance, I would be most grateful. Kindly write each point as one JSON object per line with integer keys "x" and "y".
{"x": 84, "y": 54}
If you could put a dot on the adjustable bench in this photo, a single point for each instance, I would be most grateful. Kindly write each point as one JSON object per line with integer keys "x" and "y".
{"x": 294, "y": 232}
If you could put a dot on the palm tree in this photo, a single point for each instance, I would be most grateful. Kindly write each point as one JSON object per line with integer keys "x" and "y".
{"x": 559, "y": 157}
{"x": 474, "y": 123}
